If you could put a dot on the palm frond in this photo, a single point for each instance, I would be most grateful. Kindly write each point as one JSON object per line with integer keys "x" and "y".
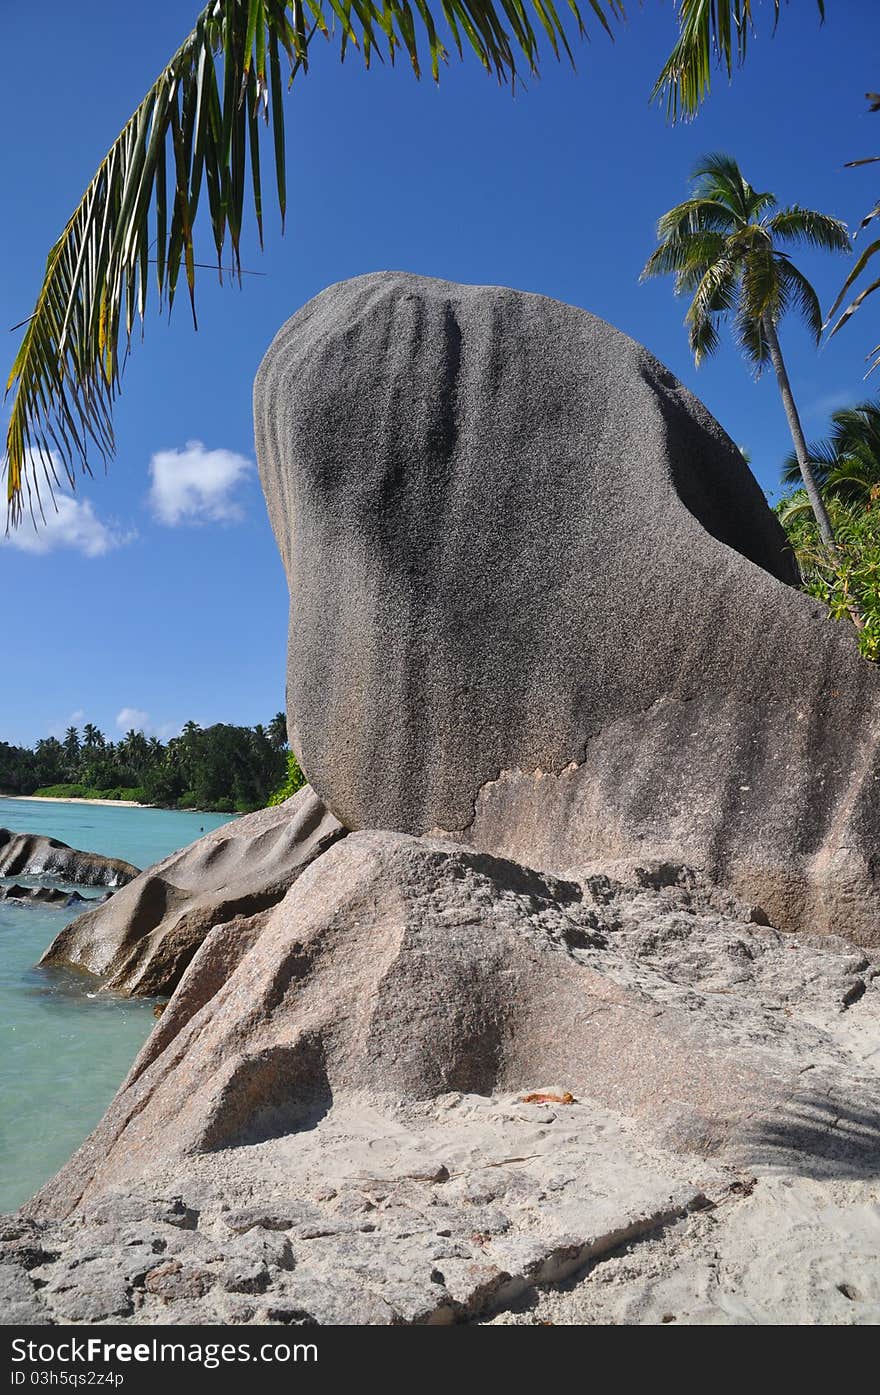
{"x": 763, "y": 291}
{"x": 749, "y": 334}
{"x": 695, "y": 215}
{"x": 874, "y": 354}
{"x": 861, "y": 263}
{"x": 872, "y": 214}
{"x": 822, "y": 457}
{"x": 808, "y": 228}
{"x": 712, "y": 33}
{"x": 189, "y": 144}
{"x": 856, "y": 430}
{"x": 798, "y": 506}
{"x": 799, "y": 294}
{"x": 688, "y": 254}
{"x": 717, "y": 176}
{"x": 714, "y": 297}
{"x": 703, "y": 338}
{"x": 847, "y": 465}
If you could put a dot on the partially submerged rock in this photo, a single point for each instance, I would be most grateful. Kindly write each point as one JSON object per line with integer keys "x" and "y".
{"x": 562, "y": 620}
{"x": 42, "y": 895}
{"x": 32, "y": 854}
{"x": 142, "y": 940}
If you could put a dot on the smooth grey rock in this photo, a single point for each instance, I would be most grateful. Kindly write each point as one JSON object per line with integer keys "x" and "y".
{"x": 539, "y": 600}
{"x": 142, "y": 940}
{"x": 32, "y": 855}
{"x": 42, "y": 895}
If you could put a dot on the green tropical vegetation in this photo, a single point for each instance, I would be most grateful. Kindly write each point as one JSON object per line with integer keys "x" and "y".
{"x": 846, "y": 577}
{"x": 197, "y": 142}
{"x": 846, "y": 465}
{"x": 294, "y": 780}
{"x": 229, "y": 769}
{"x": 723, "y": 245}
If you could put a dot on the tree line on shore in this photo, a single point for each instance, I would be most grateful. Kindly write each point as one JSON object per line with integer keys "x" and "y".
{"x": 229, "y": 769}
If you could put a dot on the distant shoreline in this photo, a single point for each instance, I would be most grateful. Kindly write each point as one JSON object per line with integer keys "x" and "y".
{"x": 111, "y": 804}
{"x": 67, "y": 799}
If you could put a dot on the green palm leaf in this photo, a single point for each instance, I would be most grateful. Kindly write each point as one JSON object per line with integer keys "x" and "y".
{"x": 799, "y": 295}
{"x": 808, "y": 228}
{"x": 694, "y": 215}
{"x": 711, "y": 32}
{"x": 823, "y": 459}
{"x": 866, "y": 256}
{"x": 188, "y": 147}
{"x": 199, "y": 128}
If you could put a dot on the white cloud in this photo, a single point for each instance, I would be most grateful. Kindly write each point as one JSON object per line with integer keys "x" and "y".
{"x": 59, "y": 727}
{"x": 69, "y": 523}
{"x": 135, "y": 719}
{"x": 196, "y": 485}
{"x": 132, "y": 717}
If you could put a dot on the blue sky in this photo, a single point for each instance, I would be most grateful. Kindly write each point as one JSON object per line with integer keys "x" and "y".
{"x": 159, "y": 595}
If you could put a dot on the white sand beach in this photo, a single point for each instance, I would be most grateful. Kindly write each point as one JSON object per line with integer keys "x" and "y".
{"x": 65, "y": 799}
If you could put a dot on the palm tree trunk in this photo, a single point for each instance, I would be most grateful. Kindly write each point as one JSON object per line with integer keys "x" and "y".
{"x": 794, "y": 425}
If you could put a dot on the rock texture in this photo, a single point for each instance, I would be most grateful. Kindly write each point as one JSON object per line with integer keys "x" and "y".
{"x": 141, "y": 941}
{"x": 33, "y": 855}
{"x": 361, "y": 1222}
{"x": 563, "y": 621}
{"x": 431, "y": 1078}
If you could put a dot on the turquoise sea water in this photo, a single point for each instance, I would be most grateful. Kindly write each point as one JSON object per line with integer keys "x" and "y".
{"x": 63, "y": 1048}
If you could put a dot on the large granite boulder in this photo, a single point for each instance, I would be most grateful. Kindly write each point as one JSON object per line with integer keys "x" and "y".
{"x": 538, "y": 602}
{"x": 35, "y": 855}
{"x": 140, "y": 942}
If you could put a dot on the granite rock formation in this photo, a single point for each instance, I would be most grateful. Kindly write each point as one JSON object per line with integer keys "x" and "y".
{"x": 564, "y": 623}
{"x": 141, "y": 941}
{"x": 430, "y": 1079}
{"x": 33, "y": 855}
{"x": 408, "y": 968}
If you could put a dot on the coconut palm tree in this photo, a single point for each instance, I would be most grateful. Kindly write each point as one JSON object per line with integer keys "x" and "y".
{"x": 847, "y": 465}
{"x": 278, "y": 731}
{"x": 723, "y": 247}
{"x": 195, "y": 133}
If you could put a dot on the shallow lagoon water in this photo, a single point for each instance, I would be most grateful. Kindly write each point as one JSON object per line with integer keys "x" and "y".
{"x": 63, "y": 1048}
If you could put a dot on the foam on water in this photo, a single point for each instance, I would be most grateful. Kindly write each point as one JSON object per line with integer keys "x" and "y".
{"x": 64, "y": 1049}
